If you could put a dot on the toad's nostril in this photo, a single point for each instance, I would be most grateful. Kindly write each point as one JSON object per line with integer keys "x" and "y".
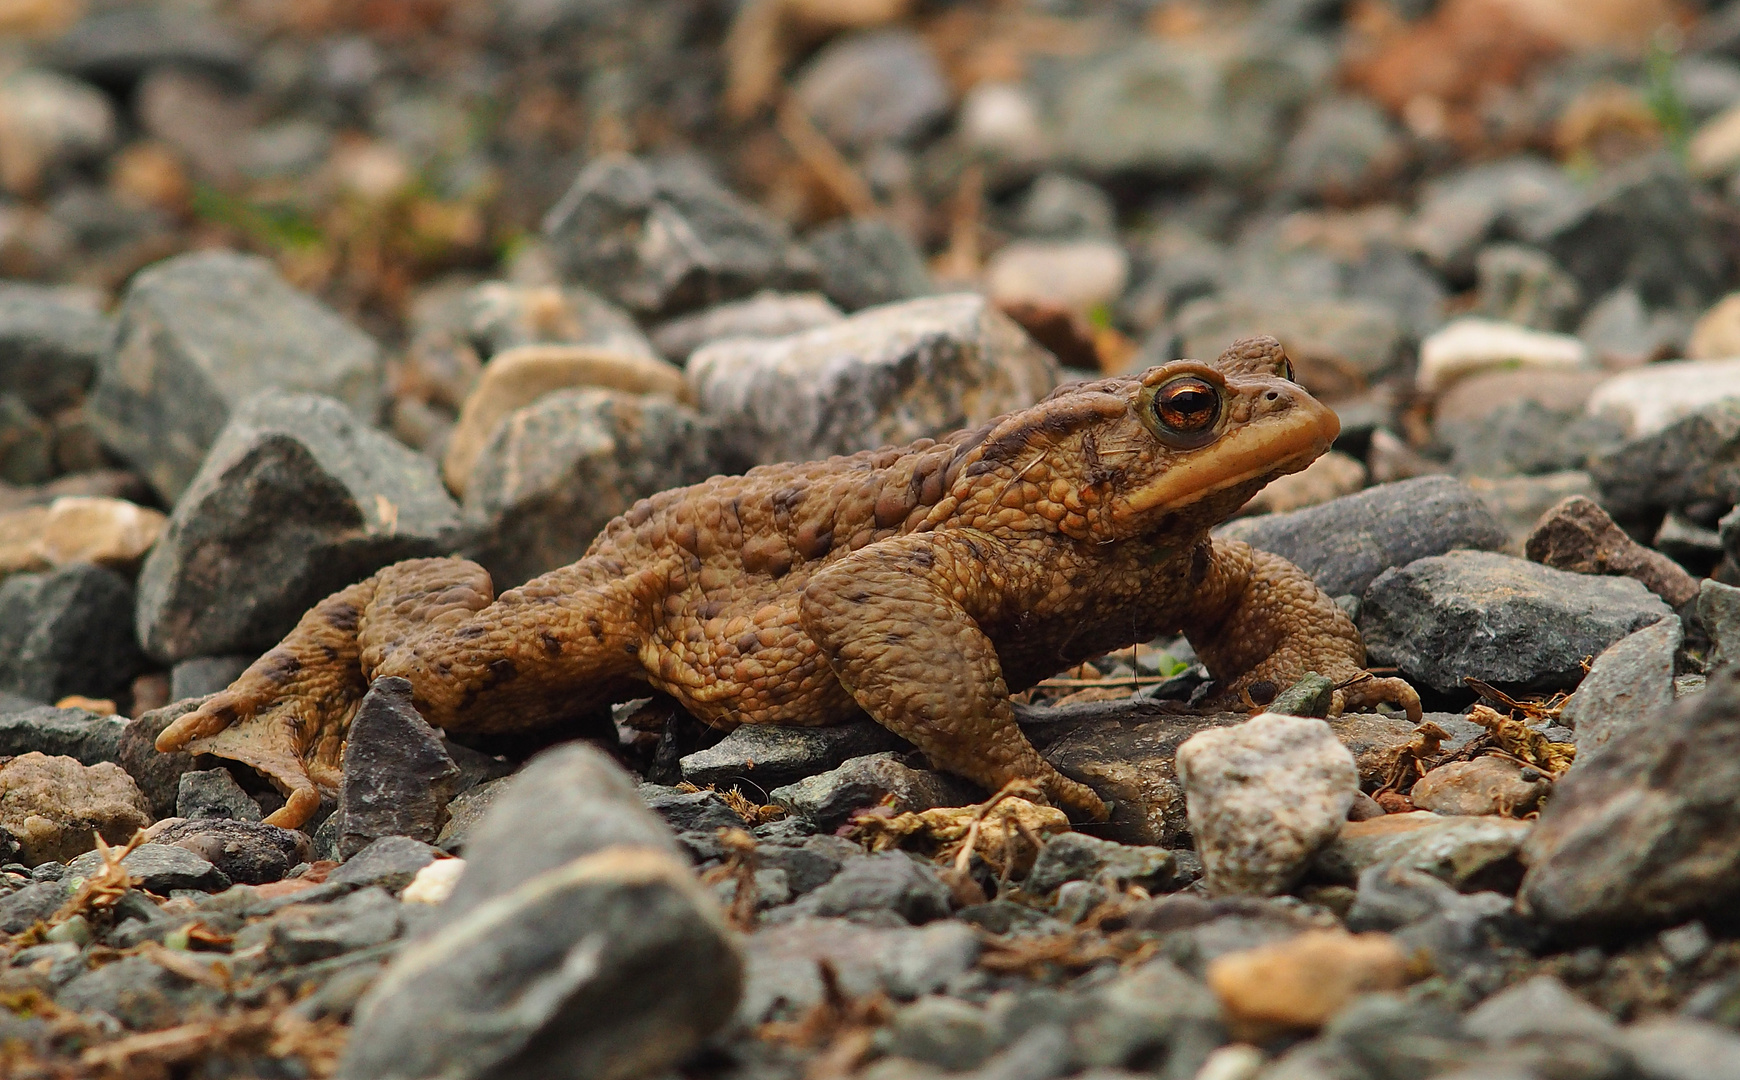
{"x": 1272, "y": 395}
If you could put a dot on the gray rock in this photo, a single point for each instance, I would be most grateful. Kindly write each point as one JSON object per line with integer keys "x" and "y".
{"x": 199, "y": 334}
{"x": 569, "y": 801}
{"x": 557, "y": 471}
{"x": 764, "y": 315}
{"x": 138, "y": 992}
{"x": 1622, "y": 332}
{"x": 118, "y": 46}
{"x": 249, "y": 852}
{"x": 388, "y": 863}
{"x": 1577, "y": 535}
{"x": 891, "y": 374}
{"x": 1718, "y": 614}
{"x": 1391, "y": 896}
{"x": 49, "y": 345}
{"x": 1523, "y": 285}
{"x": 1346, "y": 543}
{"x": 214, "y": 793}
{"x": 692, "y": 811}
{"x": 160, "y": 868}
{"x": 466, "y": 811}
{"x": 828, "y": 799}
{"x": 1540, "y": 1008}
{"x": 1344, "y": 149}
{"x": 889, "y": 882}
{"x": 1508, "y": 199}
{"x": 864, "y": 262}
{"x": 1059, "y": 206}
{"x": 875, "y": 86}
{"x": 659, "y": 239}
{"x": 1323, "y": 334}
{"x": 67, "y": 632}
{"x": 1680, "y": 1048}
{"x": 943, "y": 1031}
{"x": 198, "y": 676}
{"x": 1152, "y": 1010}
{"x": 761, "y": 757}
{"x": 1263, "y": 797}
{"x": 1165, "y": 108}
{"x": 499, "y": 315}
{"x": 1468, "y": 852}
{"x": 1078, "y": 857}
{"x": 26, "y": 444}
{"x": 612, "y": 964}
{"x": 809, "y": 865}
{"x": 1510, "y": 622}
{"x": 1629, "y": 685}
{"x": 34, "y": 903}
{"x": 782, "y": 978}
{"x": 1644, "y": 832}
{"x": 296, "y": 500}
{"x": 398, "y": 778}
{"x": 1517, "y": 502}
{"x": 1525, "y": 438}
{"x": 1691, "y": 460}
{"x": 158, "y": 775}
{"x": 74, "y": 733}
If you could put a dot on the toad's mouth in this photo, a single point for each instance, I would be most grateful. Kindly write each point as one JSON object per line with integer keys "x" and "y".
{"x": 1286, "y": 445}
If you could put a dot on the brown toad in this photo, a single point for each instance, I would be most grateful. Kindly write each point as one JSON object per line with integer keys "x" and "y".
{"x": 918, "y": 584}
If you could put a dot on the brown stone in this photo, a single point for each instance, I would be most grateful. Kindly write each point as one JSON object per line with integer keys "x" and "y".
{"x": 1304, "y": 981}
{"x": 1486, "y": 785}
{"x": 1577, "y": 535}
{"x": 55, "y": 806}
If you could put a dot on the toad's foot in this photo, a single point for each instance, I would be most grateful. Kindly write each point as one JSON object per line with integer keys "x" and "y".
{"x": 288, "y": 713}
{"x": 898, "y": 623}
{"x": 1268, "y": 625}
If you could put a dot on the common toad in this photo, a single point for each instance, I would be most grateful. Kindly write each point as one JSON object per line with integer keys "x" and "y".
{"x": 919, "y": 584}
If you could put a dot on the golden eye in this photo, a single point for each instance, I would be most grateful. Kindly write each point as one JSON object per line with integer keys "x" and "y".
{"x": 1187, "y": 408}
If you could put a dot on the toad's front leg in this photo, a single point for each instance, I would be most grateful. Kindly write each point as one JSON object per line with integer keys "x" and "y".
{"x": 1257, "y": 619}
{"x": 898, "y": 623}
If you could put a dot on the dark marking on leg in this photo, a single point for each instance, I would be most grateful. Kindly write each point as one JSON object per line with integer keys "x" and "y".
{"x": 552, "y": 644}
{"x": 596, "y": 626}
{"x": 343, "y": 617}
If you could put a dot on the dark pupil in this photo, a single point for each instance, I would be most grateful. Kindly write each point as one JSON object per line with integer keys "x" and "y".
{"x": 1188, "y": 407}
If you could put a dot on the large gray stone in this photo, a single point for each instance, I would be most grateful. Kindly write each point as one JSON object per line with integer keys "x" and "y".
{"x": 1509, "y": 622}
{"x": 555, "y": 472}
{"x": 1325, "y": 336}
{"x": 829, "y": 799}
{"x": 1629, "y": 685}
{"x": 75, "y": 733}
{"x": 1647, "y": 831}
{"x": 889, "y": 374}
{"x": 866, "y": 261}
{"x": 1468, "y": 852}
{"x": 1346, "y": 543}
{"x": 250, "y": 852}
{"x": 50, "y": 345}
{"x": 398, "y": 777}
{"x": 296, "y": 500}
{"x": 199, "y": 334}
{"x": 784, "y": 979}
{"x": 160, "y": 868}
{"x": 661, "y": 239}
{"x": 67, "y": 632}
{"x": 1692, "y": 460}
{"x": 761, "y": 757}
{"x": 615, "y": 964}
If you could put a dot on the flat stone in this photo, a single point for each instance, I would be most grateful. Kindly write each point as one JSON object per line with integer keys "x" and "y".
{"x": 691, "y": 811}
{"x": 764, "y": 315}
{"x": 1650, "y": 399}
{"x": 1262, "y": 797}
{"x": 1577, "y": 535}
{"x": 67, "y": 632}
{"x": 829, "y": 799}
{"x": 390, "y": 863}
{"x": 160, "y": 868}
{"x": 1468, "y": 852}
{"x": 1539, "y": 1008}
{"x": 53, "y": 805}
{"x": 1680, "y": 1048}
{"x": 1346, "y": 543}
{"x": 1485, "y": 785}
{"x": 1644, "y": 832}
{"x": 1525, "y": 438}
{"x": 661, "y": 239}
{"x": 196, "y": 336}
{"x": 888, "y": 375}
{"x": 309, "y": 933}
{"x": 1078, "y": 857}
{"x": 109, "y": 532}
{"x": 213, "y": 793}
{"x": 231, "y": 575}
{"x": 891, "y": 882}
{"x": 140, "y": 993}
{"x": 865, "y": 262}
{"x": 555, "y": 472}
{"x": 398, "y": 777}
{"x": 1629, "y": 685}
{"x": 83, "y": 736}
{"x": 1302, "y": 982}
{"x": 612, "y": 964}
{"x": 1503, "y": 620}
{"x": 250, "y": 852}
{"x": 1470, "y": 346}
{"x": 761, "y": 757}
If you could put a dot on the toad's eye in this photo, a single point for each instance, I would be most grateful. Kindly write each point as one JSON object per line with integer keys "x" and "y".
{"x": 1187, "y": 407}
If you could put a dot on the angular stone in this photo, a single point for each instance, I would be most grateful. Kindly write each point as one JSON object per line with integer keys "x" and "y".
{"x": 308, "y": 933}
{"x": 764, "y": 315}
{"x": 398, "y": 778}
{"x": 1468, "y": 852}
{"x": 198, "y": 676}
{"x": 109, "y": 532}
{"x": 296, "y": 500}
{"x": 1517, "y": 502}
{"x": 613, "y": 964}
{"x": 1509, "y": 622}
{"x": 1644, "y": 833}
{"x": 53, "y": 805}
{"x": 158, "y": 775}
{"x": 1460, "y": 211}
{"x": 1262, "y": 797}
{"x": 213, "y": 793}
{"x": 67, "y": 632}
{"x": 1079, "y": 857}
{"x": 390, "y": 863}
{"x": 829, "y": 799}
{"x": 762, "y": 757}
{"x": 1577, "y": 535}
{"x": 1540, "y": 1008}
{"x": 569, "y": 801}
{"x": 83, "y": 736}
{"x": 250, "y": 852}
{"x": 1681, "y": 1048}
{"x": 891, "y": 374}
{"x": 21, "y": 910}
{"x": 1629, "y": 685}
{"x": 691, "y": 811}
{"x": 661, "y": 239}
{"x": 890, "y": 882}
{"x": 1690, "y": 460}
{"x": 1345, "y": 544}
{"x": 557, "y": 471}
{"x": 866, "y": 261}
{"x": 160, "y": 868}
{"x": 50, "y": 345}
{"x": 199, "y": 334}
{"x": 466, "y": 810}
{"x": 1485, "y": 785}
{"x": 142, "y": 994}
